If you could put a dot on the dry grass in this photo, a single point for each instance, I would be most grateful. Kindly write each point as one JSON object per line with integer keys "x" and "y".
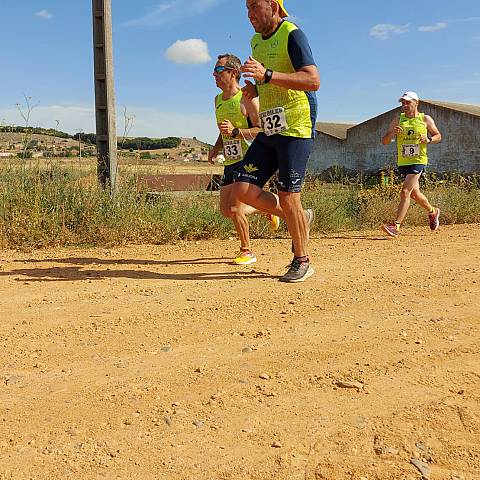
{"x": 51, "y": 205}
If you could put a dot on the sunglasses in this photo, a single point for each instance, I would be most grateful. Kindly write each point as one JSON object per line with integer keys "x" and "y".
{"x": 221, "y": 69}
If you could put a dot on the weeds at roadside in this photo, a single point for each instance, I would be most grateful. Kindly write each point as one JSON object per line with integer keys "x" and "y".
{"x": 52, "y": 205}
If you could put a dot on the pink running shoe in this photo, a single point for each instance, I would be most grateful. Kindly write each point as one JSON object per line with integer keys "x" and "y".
{"x": 391, "y": 229}
{"x": 434, "y": 219}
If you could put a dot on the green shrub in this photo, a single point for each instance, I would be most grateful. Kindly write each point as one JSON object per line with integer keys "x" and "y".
{"x": 54, "y": 205}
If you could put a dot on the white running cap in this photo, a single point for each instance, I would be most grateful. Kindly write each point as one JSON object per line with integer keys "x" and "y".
{"x": 409, "y": 96}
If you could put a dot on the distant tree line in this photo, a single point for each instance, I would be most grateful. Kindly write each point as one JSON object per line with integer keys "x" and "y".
{"x": 41, "y": 131}
{"x": 90, "y": 138}
{"x": 137, "y": 143}
{"x": 145, "y": 143}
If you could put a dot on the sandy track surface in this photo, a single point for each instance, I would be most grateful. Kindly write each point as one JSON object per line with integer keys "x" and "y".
{"x": 167, "y": 362}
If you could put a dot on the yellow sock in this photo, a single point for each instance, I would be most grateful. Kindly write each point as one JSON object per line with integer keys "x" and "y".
{"x": 432, "y": 211}
{"x": 397, "y": 225}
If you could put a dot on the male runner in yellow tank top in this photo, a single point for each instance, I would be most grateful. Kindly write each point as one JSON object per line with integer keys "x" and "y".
{"x": 286, "y": 78}
{"x": 413, "y": 131}
{"x": 237, "y": 119}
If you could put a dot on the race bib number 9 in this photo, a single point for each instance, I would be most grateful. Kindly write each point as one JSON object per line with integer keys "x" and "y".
{"x": 274, "y": 121}
{"x": 232, "y": 149}
{"x": 411, "y": 150}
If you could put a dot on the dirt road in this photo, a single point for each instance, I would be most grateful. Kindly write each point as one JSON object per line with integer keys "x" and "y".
{"x": 167, "y": 362}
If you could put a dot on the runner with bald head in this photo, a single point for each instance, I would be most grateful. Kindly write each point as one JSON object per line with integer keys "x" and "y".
{"x": 286, "y": 77}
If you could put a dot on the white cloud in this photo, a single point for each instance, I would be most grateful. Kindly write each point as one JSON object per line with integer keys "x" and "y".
{"x": 192, "y": 51}
{"x": 172, "y": 11}
{"x": 44, "y": 14}
{"x": 433, "y": 28}
{"x": 148, "y": 122}
{"x": 383, "y": 31}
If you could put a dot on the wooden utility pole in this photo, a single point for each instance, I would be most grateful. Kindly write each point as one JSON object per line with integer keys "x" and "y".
{"x": 104, "y": 93}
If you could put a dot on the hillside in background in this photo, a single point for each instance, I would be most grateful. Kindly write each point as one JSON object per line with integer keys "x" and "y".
{"x": 50, "y": 143}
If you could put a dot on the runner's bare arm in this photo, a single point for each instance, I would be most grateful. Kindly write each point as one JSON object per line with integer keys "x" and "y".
{"x": 226, "y": 127}
{"x": 249, "y": 108}
{"x": 249, "y": 90}
{"x": 306, "y": 79}
{"x": 252, "y": 108}
{"x": 393, "y": 130}
{"x": 213, "y": 152}
{"x": 435, "y": 135}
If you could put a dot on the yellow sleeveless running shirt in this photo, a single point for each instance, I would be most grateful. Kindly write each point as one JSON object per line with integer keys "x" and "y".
{"x": 410, "y": 150}
{"x": 234, "y": 149}
{"x": 273, "y": 53}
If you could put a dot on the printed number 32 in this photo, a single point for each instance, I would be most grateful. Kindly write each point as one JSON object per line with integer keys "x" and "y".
{"x": 273, "y": 122}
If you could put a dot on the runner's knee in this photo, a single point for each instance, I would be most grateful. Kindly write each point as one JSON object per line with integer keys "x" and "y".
{"x": 225, "y": 210}
{"x": 290, "y": 202}
{"x": 405, "y": 193}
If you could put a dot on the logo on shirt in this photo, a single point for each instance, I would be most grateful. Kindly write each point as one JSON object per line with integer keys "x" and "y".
{"x": 250, "y": 168}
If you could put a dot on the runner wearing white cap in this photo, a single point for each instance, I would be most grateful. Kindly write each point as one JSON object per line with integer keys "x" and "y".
{"x": 412, "y": 131}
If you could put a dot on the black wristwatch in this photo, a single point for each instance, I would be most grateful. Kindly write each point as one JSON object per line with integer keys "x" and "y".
{"x": 235, "y": 132}
{"x": 268, "y": 75}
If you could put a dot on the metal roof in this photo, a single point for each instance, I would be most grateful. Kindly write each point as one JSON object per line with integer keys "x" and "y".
{"x": 460, "y": 107}
{"x": 337, "y": 130}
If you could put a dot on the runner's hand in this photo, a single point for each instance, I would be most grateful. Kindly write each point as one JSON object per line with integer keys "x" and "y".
{"x": 226, "y": 127}
{"x": 397, "y": 130}
{"x": 249, "y": 90}
{"x": 423, "y": 139}
{"x": 253, "y": 69}
{"x": 212, "y": 154}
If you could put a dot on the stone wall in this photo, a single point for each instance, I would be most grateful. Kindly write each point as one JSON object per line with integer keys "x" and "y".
{"x": 363, "y": 148}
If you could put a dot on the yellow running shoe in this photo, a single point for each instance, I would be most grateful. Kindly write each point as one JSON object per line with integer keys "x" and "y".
{"x": 274, "y": 222}
{"x": 245, "y": 257}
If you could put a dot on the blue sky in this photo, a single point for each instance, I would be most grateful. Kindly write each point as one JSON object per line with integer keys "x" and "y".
{"x": 368, "y": 54}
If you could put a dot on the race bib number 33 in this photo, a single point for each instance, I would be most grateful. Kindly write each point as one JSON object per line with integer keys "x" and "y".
{"x": 274, "y": 121}
{"x": 411, "y": 150}
{"x": 232, "y": 149}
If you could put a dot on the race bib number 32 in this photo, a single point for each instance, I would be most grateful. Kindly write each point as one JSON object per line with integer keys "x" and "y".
{"x": 274, "y": 121}
{"x": 232, "y": 149}
{"x": 411, "y": 150}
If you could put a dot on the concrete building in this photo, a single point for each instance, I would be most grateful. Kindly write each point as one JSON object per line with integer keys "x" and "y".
{"x": 359, "y": 147}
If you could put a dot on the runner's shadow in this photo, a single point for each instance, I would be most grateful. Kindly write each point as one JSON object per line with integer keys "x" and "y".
{"x": 357, "y": 237}
{"x": 106, "y": 261}
{"x": 70, "y": 274}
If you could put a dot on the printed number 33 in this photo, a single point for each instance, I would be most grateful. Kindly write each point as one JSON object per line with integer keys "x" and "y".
{"x": 232, "y": 150}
